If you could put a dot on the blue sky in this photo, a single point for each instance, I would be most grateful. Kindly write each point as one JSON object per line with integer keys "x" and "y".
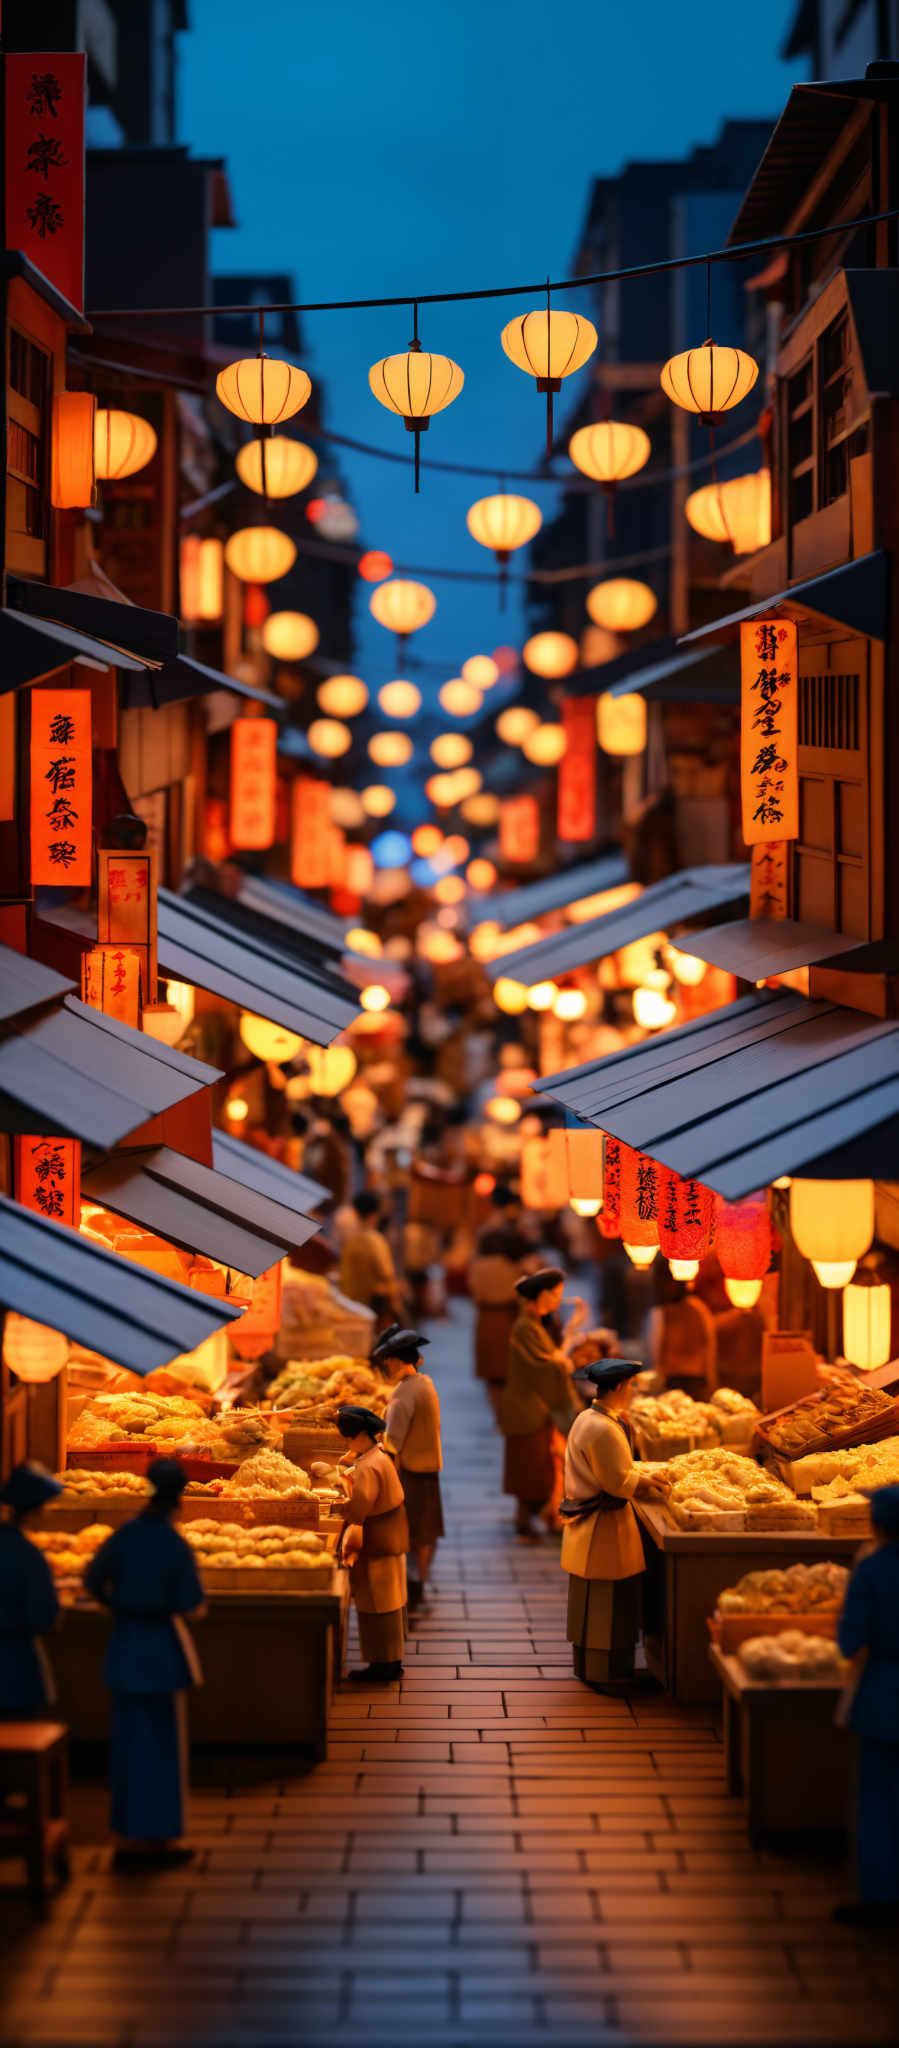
{"x": 387, "y": 149}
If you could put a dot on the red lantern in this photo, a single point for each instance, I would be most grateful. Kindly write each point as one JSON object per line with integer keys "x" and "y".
{"x": 743, "y": 1239}
{"x": 374, "y": 566}
{"x": 686, "y": 1217}
{"x": 484, "y": 1184}
{"x": 610, "y": 1215}
{"x": 641, "y": 1192}
{"x": 256, "y": 606}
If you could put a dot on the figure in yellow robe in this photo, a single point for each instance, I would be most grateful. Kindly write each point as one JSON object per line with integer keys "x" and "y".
{"x": 602, "y": 1549}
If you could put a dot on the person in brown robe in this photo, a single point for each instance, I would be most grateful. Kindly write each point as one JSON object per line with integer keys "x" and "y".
{"x": 602, "y": 1549}
{"x": 412, "y": 1433}
{"x": 536, "y": 1401}
{"x": 373, "y": 1544}
{"x": 503, "y": 1251}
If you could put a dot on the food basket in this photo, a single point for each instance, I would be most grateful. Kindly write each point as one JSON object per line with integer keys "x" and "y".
{"x": 303, "y": 1444}
{"x": 730, "y": 1630}
{"x": 885, "y": 1423}
{"x": 284, "y": 1578}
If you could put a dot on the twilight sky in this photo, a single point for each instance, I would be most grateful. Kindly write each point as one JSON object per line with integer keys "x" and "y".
{"x": 381, "y": 149}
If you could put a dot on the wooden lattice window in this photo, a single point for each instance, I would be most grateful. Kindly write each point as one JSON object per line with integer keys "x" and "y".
{"x": 28, "y": 406}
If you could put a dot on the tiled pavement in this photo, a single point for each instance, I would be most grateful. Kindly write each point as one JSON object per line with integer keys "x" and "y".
{"x": 491, "y": 1854}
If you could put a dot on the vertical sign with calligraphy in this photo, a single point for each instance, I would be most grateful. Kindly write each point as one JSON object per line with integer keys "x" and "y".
{"x": 577, "y": 770}
{"x": 44, "y": 97}
{"x": 61, "y": 787}
{"x": 769, "y": 730}
{"x": 310, "y": 833}
{"x": 47, "y": 1174}
{"x": 768, "y": 880}
{"x": 110, "y": 981}
{"x": 253, "y": 808}
{"x": 519, "y": 829}
{"x": 126, "y": 907}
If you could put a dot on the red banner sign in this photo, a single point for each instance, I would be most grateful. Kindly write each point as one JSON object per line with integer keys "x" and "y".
{"x": 61, "y": 787}
{"x": 769, "y": 765}
{"x": 519, "y": 829}
{"x": 48, "y": 1177}
{"x": 253, "y": 784}
{"x": 44, "y": 160}
{"x": 311, "y": 833}
{"x": 577, "y": 770}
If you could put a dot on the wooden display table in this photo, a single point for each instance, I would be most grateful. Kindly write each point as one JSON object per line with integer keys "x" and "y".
{"x": 34, "y": 1765}
{"x": 782, "y": 1750}
{"x": 685, "y": 1572}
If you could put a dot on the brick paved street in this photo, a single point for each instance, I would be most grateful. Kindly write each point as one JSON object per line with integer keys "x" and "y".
{"x": 492, "y": 1853}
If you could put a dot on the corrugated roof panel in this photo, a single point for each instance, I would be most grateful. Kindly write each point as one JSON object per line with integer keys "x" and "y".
{"x": 75, "y": 1071}
{"x": 286, "y": 905}
{"x": 26, "y": 984}
{"x": 251, "y": 967}
{"x": 553, "y": 892}
{"x": 244, "y": 1162}
{"x": 195, "y": 1207}
{"x": 755, "y": 947}
{"x": 695, "y": 892}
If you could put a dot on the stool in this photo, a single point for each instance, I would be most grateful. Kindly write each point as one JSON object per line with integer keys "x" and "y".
{"x": 34, "y": 1762}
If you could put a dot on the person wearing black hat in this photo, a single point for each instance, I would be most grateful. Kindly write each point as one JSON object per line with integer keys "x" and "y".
{"x": 868, "y": 1632}
{"x": 536, "y": 1400}
{"x": 28, "y": 1602}
{"x": 412, "y": 1433}
{"x": 373, "y": 1543}
{"x": 602, "y": 1550}
{"x": 146, "y": 1574}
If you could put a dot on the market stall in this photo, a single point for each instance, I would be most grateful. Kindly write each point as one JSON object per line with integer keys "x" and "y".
{"x": 783, "y": 1750}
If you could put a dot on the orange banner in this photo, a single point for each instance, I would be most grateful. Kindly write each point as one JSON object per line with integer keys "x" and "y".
{"x": 253, "y": 784}
{"x": 577, "y": 770}
{"x": 768, "y": 880}
{"x": 44, "y": 159}
{"x": 111, "y": 982}
{"x": 310, "y": 833}
{"x": 61, "y": 787}
{"x": 769, "y": 764}
{"x": 519, "y": 829}
{"x": 48, "y": 1177}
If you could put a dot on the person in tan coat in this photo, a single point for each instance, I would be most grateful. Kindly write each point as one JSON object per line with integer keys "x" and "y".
{"x": 602, "y": 1549}
{"x": 373, "y": 1543}
{"x": 412, "y": 1433}
{"x": 536, "y": 1401}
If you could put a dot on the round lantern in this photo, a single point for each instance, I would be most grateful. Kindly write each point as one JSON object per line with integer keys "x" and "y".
{"x": 459, "y": 698}
{"x": 609, "y": 451}
{"x": 550, "y": 654}
{"x": 480, "y": 875}
{"x": 375, "y": 997}
{"x": 33, "y": 1351}
{"x": 359, "y": 940}
{"x": 263, "y": 390}
{"x": 441, "y": 790}
{"x": 450, "y": 750}
{"x": 346, "y": 809}
{"x": 289, "y": 636}
{"x": 503, "y": 523}
{"x": 546, "y": 745}
{"x": 276, "y": 468}
{"x": 641, "y": 1191}
{"x": 510, "y": 996}
{"x": 202, "y": 578}
{"x": 709, "y": 380}
{"x": 867, "y": 1321}
{"x": 621, "y": 723}
{"x": 268, "y": 1041}
{"x": 481, "y": 671}
{"x": 502, "y": 1109}
{"x": 515, "y": 723}
{"x": 653, "y": 1009}
{"x": 687, "y": 968}
{"x": 400, "y": 699}
{"x": 570, "y": 1005}
{"x": 738, "y": 511}
{"x": 832, "y": 1222}
{"x": 743, "y": 1244}
{"x": 343, "y": 696}
{"x": 123, "y": 443}
{"x": 686, "y": 1222}
{"x": 329, "y": 738}
{"x": 390, "y": 749}
{"x": 541, "y": 995}
{"x": 426, "y": 840}
{"x": 377, "y": 800}
{"x": 237, "y": 1109}
{"x": 331, "y": 1068}
{"x": 544, "y": 1180}
{"x": 481, "y": 810}
{"x": 260, "y": 554}
{"x": 449, "y": 889}
{"x": 401, "y": 606}
{"x": 455, "y": 850}
{"x": 416, "y": 385}
{"x": 549, "y": 344}
{"x": 622, "y": 604}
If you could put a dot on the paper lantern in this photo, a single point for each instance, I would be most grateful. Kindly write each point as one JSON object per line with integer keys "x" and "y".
{"x": 549, "y": 344}
{"x": 439, "y": 947}
{"x": 867, "y": 1321}
{"x": 123, "y": 444}
{"x": 202, "y": 578}
{"x": 346, "y": 808}
{"x": 455, "y": 850}
{"x": 360, "y": 870}
{"x": 256, "y": 606}
{"x": 416, "y": 385}
{"x": 743, "y": 1244}
{"x": 542, "y": 995}
{"x": 440, "y": 790}
{"x": 111, "y": 982}
{"x": 641, "y": 1194}
{"x": 502, "y": 1109}
{"x": 311, "y": 830}
{"x": 609, "y": 451}
{"x": 687, "y": 968}
{"x": 481, "y": 810}
{"x": 459, "y": 698}
{"x": 516, "y": 723}
{"x": 621, "y": 723}
{"x": 400, "y": 699}
{"x": 253, "y": 799}
{"x": 374, "y": 565}
{"x": 598, "y": 646}
{"x": 328, "y": 737}
{"x": 73, "y": 484}
{"x": 359, "y": 940}
{"x": 342, "y": 696}
{"x": 622, "y": 604}
{"x": 331, "y": 1068}
{"x": 709, "y": 380}
{"x": 738, "y": 511}
{"x": 390, "y": 749}
{"x": 263, "y": 390}
{"x": 449, "y": 889}
{"x": 550, "y": 654}
{"x": 237, "y": 1109}
{"x": 544, "y": 1172}
{"x": 510, "y": 996}
{"x": 570, "y": 1005}
{"x": 378, "y": 801}
{"x": 260, "y": 554}
{"x": 584, "y": 1165}
{"x": 519, "y": 829}
{"x": 481, "y": 671}
{"x": 467, "y": 783}
{"x": 268, "y": 1041}
{"x": 61, "y": 779}
{"x": 832, "y": 1222}
{"x": 481, "y": 875}
{"x": 426, "y": 840}
{"x": 503, "y": 523}
{"x": 610, "y": 1219}
{"x": 183, "y": 998}
{"x": 403, "y": 607}
{"x": 450, "y": 750}
{"x": 653, "y": 1010}
{"x": 743, "y": 1293}
{"x": 375, "y": 997}
{"x": 276, "y": 468}
{"x": 686, "y": 1219}
{"x": 31, "y": 1350}
{"x": 545, "y": 746}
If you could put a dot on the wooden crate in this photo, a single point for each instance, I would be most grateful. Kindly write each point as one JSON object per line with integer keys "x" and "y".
{"x": 285, "y": 1578}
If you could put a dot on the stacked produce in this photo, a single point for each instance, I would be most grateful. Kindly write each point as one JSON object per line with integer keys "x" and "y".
{"x": 77, "y": 1482}
{"x": 836, "y": 1473}
{"x": 797, "y": 1589}
{"x": 720, "y": 1489}
{"x": 68, "y": 1553}
{"x": 791, "y": 1656}
{"x": 817, "y": 1421}
{"x": 228, "y": 1545}
{"x": 172, "y": 1422}
{"x": 317, "y": 1320}
{"x": 674, "y": 1420}
{"x": 314, "y": 1389}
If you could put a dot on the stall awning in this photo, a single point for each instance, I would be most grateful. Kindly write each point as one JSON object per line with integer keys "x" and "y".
{"x": 771, "y": 1084}
{"x": 570, "y": 885}
{"x": 123, "y": 628}
{"x": 754, "y": 947}
{"x": 694, "y": 892}
{"x": 245, "y": 959}
{"x": 706, "y": 676}
{"x": 286, "y": 905}
{"x": 31, "y": 649}
{"x": 26, "y": 984}
{"x": 75, "y": 1072}
{"x": 195, "y": 1207}
{"x": 854, "y": 596}
{"x": 108, "y": 1304}
{"x": 244, "y": 1162}
{"x": 183, "y": 678}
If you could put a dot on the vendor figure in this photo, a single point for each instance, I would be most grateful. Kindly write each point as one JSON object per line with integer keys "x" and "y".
{"x": 412, "y": 1433}
{"x": 868, "y": 1632}
{"x": 536, "y": 1401}
{"x": 28, "y": 1601}
{"x": 602, "y": 1550}
{"x": 374, "y": 1543}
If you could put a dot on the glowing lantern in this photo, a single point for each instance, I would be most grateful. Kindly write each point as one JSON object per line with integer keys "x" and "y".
{"x": 358, "y": 940}
{"x": 202, "y": 576}
{"x": 481, "y": 671}
{"x": 253, "y": 799}
{"x": 738, "y": 511}
{"x": 400, "y": 699}
{"x": 484, "y": 1184}
{"x": 277, "y": 468}
{"x": 237, "y": 1109}
{"x": 622, "y": 604}
{"x": 481, "y": 875}
{"x": 466, "y": 783}
{"x": 311, "y": 832}
{"x": 550, "y": 654}
{"x": 123, "y": 444}
{"x": 375, "y": 997}
{"x": 403, "y": 607}
{"x": 653, "y": 1009}
{"x": 440, "y": 790}
{"x": 584, "y": 1205}
{"x": 260, "y": 554}
{"x": 374, "y": 566}
{"x": 519, "y": 829}
{"x": 268, "y": 1041}
{"x": 542, "y": 995}
{"x": 832, "y": 1224}
{"x": 640, "y": 1255}
{"x": 549, "y": 345}
{"x": 182, "y": 997}
{"x": 686, "y": 1221}
{"x": 450, "y": 750}
{"x": 331, "y": 1068}
{"x": 584, "y": 1161}
{"x": 329, "y": 738}
{"x": 743, "y": 1244}
{"x": 31, "y": 1350}
{"x": 546, "y": 745}
{"x": 377, "y": 800}
{"x": 502, "y": 1109}
{"x": 360, "y": 870}
{"x": 289, "y": 636}
{"x": 345, "y": 807}
{"x": 390, "y": 749}
{"x": 263, "y": 390}
{"x": 510, "y": 996}
{"x": 72, "y": 474}
{"x": 460, "y": 699}
{"x": 621, "y": 723}
{"x": 609, "y": 451}
{"x": 544, "y": 1172}
{"x": 449, "y": 889}
{"x": 743, "y": 1293}
{"x": 686, "y": 967}
{"x": 455, "y": 850}
{"x": 867, "y": 1320}
{"x": 503, "y": 523}
{"x": 161, "y": 1021}
{"x": 342, "y": 696}
{"x": 437, "y": 946}
{"x": 709, "y": 380}
{"x": 516, "y": 723}
{"x": 598, "y": 646}
{"x": 426, "y": 839}
{"x": 570, "y": 1005}
{"x": 641, "y": 1195}
{"x": 481, "y": 810}
{"x": 416, "y": 385}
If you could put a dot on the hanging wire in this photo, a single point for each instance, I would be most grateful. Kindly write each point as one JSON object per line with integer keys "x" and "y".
{"x": 261, "y": 430}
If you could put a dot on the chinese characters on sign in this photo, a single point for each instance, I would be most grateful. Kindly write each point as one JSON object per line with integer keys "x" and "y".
{"x": 768, "y": 730}
{"x": 577, "y": 770}
{"x": 310, "y": 833}
{"x": 61, "y": 787}
{"x": 44, "y": 160}
{"x": 768, "y": 880}
{"x": 610, "y": 1215}
{"x": 110, "y": 981}
{"x": 253, "y": 784}
{"x": 519, "y": 829}
{"x": 126, "y": 907}
{"x": 48, "y": 1177}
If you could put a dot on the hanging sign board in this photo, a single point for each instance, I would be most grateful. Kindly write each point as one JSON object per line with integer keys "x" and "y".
{"x": 519, "y": 829}
{"x": 110, "y": 981}
{"x": 61, "y": 787}
{"x": 44, "y": 96}
{"x": 311, "y": 845}
{"x": 47, "y": 1174}
{"x": 126, "y": 907}
{"x": 253, "y": 784}
{"x": 769, "y": 730}
{"x": 768, "y": 880}
{"x": 577, "y": 770}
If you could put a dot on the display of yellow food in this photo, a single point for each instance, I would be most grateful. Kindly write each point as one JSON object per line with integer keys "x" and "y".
{"x": 229, "y": 1544}
{"x": 862, "y": 1465}
{"x": 714, "y": 1483}
{"x": 848, "y": 1405}
{"x": 266, "y": 1472}
{"x": 68, "y": 1552}
{"x": 795, "y": 1590}
{"x": 315, "y": 1388}
{"x": 673, "y": 1415}
{"x": 791, "y": 1656}
{"x": 175, "y": 1422}
{"x": 76, "y": 1481}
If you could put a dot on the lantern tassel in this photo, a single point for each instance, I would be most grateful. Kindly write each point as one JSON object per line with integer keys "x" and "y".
{"x": 417, "y": 459}
{"x": 549, "y": 417}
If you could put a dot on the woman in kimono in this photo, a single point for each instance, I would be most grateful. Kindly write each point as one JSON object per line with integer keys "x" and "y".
{"x": 868, "y": 1632}
{"x": 602, "y": 1550}
{"x": 536, "y": 1401}
{"x": 28, "y": 1602}
{"x": 146, "y": 1574}
{"x": 373, "y": 1543}
{"x": 412, "y": 1435}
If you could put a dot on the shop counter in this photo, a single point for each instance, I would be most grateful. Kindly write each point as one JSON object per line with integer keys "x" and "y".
{"x": 783, "y": 1752}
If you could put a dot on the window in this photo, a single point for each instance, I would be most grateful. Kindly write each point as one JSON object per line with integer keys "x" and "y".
{"x": 832, "y": 854}
{"x": 28, "y": 401}
{"x": 819, "y": 434}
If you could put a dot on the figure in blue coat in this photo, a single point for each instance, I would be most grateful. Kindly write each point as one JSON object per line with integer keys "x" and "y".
{"x": 869, "y": 1633}
{"x": 146, "y": 1574}
{"x": 28, "y": 1602}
